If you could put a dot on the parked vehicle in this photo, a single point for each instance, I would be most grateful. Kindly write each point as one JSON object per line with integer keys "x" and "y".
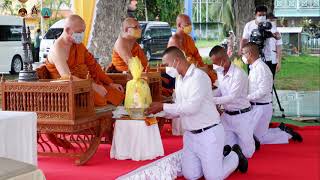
{"x": 48, "y": 39}
{"x": 11, "y": 49}
{"x": 154, "y": 38}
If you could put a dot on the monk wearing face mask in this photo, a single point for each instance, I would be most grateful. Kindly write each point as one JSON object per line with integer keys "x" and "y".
{"x": 69, "y": 57}
{"x": 127, "y": 47}
{"x": 184, "y": 41}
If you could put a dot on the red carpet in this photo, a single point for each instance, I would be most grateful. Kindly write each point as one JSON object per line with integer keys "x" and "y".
{"x": 100, "y": 166}
{"x": 294, "y": 161}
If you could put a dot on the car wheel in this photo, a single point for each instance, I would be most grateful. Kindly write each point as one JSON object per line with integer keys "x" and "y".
{"x": 148, "y": 55}
{"x": 16, "y": 65}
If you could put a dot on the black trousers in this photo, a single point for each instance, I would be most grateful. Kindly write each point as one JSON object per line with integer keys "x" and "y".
{"x": 36, "y": 54}
{"x": 272, "y": 67}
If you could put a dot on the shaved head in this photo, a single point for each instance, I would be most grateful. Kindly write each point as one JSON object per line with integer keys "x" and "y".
{"x": 183, "y": 18}
{"x": 129, "y": 22}
{"x": 74, "y": 22}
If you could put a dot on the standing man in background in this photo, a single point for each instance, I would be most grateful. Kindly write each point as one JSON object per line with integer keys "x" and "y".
{"x": 273, "y": 48}
{"x": 37, "y": 45}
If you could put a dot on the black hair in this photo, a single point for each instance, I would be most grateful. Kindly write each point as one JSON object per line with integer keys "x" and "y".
{"x": 216, "y": 50}
{"x": 261, "y": 8}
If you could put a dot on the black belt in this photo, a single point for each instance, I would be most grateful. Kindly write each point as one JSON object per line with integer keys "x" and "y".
{"x": 203, "y": 129}
{"x": 238, "y": 112}
{"x": 257, "y": 103}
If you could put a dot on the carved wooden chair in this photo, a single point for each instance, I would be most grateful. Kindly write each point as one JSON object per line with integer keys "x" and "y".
{"x": 68, "y": 123}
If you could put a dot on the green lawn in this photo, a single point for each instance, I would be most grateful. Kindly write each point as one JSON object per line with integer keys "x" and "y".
{"x": 206, "y": 43}
{"x": 296, "y": 123}
{"x": 299, "y": 73}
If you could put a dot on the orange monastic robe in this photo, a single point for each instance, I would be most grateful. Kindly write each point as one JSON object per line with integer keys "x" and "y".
{"x": 119, "y": 63}
{"x": 194, "y": 57}
{"x": 191, "y": 51}
{"x": 80, "y": 62}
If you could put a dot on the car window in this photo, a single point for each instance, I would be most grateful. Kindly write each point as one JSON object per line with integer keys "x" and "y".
{"x": 53, "y": 33}
{"x": 160, "y": 32}
{"x": 10, "y": 33}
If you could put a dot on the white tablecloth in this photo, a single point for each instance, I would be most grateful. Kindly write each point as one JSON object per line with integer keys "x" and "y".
{"x": 18, "y": 132}
{"x": 133, "y": 139}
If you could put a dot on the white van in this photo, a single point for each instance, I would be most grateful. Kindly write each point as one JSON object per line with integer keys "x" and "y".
{"x": 11, "y": 49}
{"x": 47, "y": 41}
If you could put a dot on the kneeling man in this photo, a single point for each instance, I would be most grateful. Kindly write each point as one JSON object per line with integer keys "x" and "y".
{"x": 232, "y": 95}
{"x": 203, "y": 139}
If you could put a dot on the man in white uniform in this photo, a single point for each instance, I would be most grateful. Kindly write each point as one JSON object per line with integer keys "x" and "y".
{"x": 260, "y": 96}
{"x": 232, "y": 94}
{"x": 203, "y": 139}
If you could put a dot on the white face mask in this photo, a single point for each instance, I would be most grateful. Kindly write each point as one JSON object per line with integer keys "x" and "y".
{"x": 218, "y": 68}
{"x": 244, "y": 59}
{"x": 78, "y": 37}
{"x": 171, "y": 71}
{"x": 260, "y": 19}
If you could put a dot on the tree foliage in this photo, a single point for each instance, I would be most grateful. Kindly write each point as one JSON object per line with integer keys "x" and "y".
{"x": 166, "y": 10}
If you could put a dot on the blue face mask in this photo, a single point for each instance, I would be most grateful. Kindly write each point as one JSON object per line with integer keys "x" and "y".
{"x": 78, "y": 37}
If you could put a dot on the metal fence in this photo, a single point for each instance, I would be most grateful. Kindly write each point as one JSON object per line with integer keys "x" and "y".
{"x": 312, "y": 45}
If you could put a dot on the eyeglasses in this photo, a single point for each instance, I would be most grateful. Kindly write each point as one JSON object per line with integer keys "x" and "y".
{"x": 135, "y": 27}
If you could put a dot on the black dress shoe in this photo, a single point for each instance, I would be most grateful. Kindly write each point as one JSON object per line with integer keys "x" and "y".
{"x": 243, "y": 161}
{"x": 226, "y": 150}
{"x": 256, "y": 142}
{"x": 295, "y": 135}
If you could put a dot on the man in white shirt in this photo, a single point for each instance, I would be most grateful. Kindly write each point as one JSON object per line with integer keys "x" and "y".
{"x": 232, "y": 94}
{"x": 269, "y": 45}
{"x": 203, "y": 139}
{"x": 273, "y": 48}
{"x": 260, "y": 97}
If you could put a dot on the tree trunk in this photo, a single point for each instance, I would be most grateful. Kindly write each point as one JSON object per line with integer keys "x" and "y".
{"x": 243, "y": 13}
{"x": 107, "y": 25}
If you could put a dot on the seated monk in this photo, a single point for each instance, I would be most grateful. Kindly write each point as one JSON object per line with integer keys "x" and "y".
{"x": 184, "y": 42}
{"x": 127, "y": 47}
{"x": 69, "y": 56}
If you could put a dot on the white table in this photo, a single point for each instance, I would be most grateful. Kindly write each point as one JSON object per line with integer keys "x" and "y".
{"x": 133, "y": 139}
{"x": 18, "y": 132}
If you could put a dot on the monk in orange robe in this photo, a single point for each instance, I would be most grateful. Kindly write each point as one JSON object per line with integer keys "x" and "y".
{"x": 184, "y": 42}
{"x": 69, "y": 56}
{"x": 127, "y": 47}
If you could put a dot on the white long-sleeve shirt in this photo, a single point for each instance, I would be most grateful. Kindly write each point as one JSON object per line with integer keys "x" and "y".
{"x": 260, "y": 82}
{"x": 232, "y": 89}
{"x": 193, "y": 103}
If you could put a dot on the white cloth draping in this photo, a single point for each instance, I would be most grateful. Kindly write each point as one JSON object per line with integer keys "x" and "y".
{"x": 133, "y": 139}
{"x": 34, "y": 175}
{"x": 18, "y": 132}
{"x": 166, "y": 168}
{"x": 16, "y": 170}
